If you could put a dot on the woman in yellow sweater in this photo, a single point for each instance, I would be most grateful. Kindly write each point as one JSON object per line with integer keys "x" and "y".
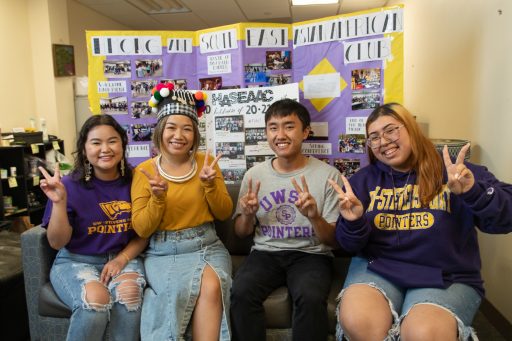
{"x": 175, "y": 198}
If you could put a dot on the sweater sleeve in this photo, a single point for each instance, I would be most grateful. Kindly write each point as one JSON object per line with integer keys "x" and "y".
{"x": 217, "y": 196}
{"x": 147, "y": 210}
{"x": 490, "y": 200}
{"x": 354, "y": 235}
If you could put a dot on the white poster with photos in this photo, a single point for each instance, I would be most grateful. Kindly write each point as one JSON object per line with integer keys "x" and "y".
{"x": 237, "y": 119}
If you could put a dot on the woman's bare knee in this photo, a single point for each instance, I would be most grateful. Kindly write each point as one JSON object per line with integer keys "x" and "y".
{"x": 210, "y": 284}
{"x": 428, "y": 322}
{"x": 129, "y": 290}
{"x": 96, "y": 295}
{"x": 365, "y": 313}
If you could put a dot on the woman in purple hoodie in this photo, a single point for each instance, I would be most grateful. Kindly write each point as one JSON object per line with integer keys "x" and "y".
{"x": 410, "y": 218}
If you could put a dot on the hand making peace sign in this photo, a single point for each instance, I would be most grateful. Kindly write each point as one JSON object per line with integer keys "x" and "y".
{"x": 249, "y": 201}
{"x": 158, "y": 185}
{"x": 306, "y": 204}
{"x": 208, "y": 172}
{"x": 52, "y": 186}
{"x": 350, "y": 207}
{"x": 460, "y": 178}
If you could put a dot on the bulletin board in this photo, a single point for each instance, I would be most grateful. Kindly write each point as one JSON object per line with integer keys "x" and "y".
{"x": 339, "y": 67}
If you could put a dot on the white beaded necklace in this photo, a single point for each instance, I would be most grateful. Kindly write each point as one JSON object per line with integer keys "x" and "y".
{"x": 177, "y": 179}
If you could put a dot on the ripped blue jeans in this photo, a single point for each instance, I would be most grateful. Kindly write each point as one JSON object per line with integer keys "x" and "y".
{"x": 119, "y": 319}
{"x": 461, "y": 300}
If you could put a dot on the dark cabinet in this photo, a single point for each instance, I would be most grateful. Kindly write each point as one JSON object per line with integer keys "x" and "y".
{"x": 20, "y": 192}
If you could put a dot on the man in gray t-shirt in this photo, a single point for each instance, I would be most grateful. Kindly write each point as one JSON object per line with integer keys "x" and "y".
{"x": 292, "y": 210}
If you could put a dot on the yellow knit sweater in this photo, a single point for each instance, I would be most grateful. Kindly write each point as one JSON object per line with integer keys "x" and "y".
{"x": 187, "y": 204}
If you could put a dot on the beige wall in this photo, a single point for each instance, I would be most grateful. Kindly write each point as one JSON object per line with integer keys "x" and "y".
{"x": 17, "y": 83}
{"x": 457, "y": 81}
{"x": 81, "y": 19}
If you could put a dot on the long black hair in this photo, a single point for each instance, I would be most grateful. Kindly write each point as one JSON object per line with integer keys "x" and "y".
{"x": 80, "y": 157}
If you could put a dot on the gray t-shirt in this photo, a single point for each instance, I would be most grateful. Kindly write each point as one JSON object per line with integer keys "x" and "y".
{"x": 281, "y": 226}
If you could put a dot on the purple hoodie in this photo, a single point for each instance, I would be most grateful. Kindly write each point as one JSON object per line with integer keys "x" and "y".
{"x": 441, "y": 237}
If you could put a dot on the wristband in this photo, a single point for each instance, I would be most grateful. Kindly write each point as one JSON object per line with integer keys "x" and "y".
{"x": 125, "y": 256}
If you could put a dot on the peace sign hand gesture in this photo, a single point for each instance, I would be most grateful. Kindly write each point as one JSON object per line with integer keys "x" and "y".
{"x": 306, "y": 204}
{"x": 158, "y": 185}
{"x": 249, "y": 202}
{"x": 350, "y": 206}
{"x": 460, "y": 178}
{"x": 52, "y": 186}
{"x": 208, "y": 172}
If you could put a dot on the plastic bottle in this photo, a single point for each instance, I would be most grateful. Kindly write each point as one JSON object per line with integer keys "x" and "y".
{"x": 42, "y": 123}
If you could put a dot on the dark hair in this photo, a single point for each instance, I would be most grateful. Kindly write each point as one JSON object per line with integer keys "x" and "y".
{"x": 80, "y": 157}
{"x": 286, "y": 107}
{"x": 424, "y": 158}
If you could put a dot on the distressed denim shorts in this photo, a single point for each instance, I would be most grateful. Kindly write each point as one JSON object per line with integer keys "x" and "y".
{"x": 461, "y": 300}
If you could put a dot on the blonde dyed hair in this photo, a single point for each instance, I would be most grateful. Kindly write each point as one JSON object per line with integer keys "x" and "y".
{"x": 424, "y": 158}
{"x": 159, "y": 132}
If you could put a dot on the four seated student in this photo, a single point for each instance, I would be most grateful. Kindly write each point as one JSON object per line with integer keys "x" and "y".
{"x": 176, "y": 197}
{"x": 411, "y": 218}
{"x": 292, "y": 210}
{"x": 97, "y": 272}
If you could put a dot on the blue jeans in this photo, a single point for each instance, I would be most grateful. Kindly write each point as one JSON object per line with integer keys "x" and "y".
{"x": 461, "y": 300}
{"x": 174, "y": 264}
{"x": 308, "y": 278}
{"x": 116, "y": 320}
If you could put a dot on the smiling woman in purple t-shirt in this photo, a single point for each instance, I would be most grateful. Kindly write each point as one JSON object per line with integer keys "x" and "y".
{"x": 97, "y": 272}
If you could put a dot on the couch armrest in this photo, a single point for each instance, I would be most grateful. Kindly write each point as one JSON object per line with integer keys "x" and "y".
{"x": 37, "y": 258}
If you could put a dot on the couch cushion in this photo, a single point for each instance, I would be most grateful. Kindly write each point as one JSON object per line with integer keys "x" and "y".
{"x": 50, "y": 304}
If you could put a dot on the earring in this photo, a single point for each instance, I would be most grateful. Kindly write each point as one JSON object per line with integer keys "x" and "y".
{"x": 87, "y": 171}
{"x": 122, "y": 166}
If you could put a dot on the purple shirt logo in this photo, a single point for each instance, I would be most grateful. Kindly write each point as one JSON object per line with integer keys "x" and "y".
{"x": 285, "y": 214}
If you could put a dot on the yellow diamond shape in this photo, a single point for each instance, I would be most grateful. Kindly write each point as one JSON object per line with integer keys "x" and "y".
{"x": 321, "y": 68}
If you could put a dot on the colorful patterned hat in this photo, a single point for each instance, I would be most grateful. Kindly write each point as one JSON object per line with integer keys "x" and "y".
{"x": 168, "y": 101}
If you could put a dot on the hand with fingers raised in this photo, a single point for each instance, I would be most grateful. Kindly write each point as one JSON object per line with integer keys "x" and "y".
{"x": 350, "y": 206}
{"x": 158, "y": 185}
{"x": 306, "y": 204}
{"x": 52, "y": 186}
{"x": 460, "y": 178}
{"x": 249, "y": 202}
{"x": 208, "y": 172}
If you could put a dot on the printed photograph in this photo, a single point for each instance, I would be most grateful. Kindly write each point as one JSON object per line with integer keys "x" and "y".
{"x": 145, "y": 68}
{"x": 212, "y": 83}
{"x": 142, "y": 131}
{"x": 255, "y": 73}
{"x": 365, "y": 99}
{"x": 179, "y": 84}
{"x": 283, "y": 78}
{"x": 347, "y": 167}
{"x": 279, "y": 60}
{"x": 232, "y": 176}
{"x": 366, "y": 79}
{"x": 230, "y": 150}
{"x": 142, "y": 88}
{"x": 233, "y": 124}
{"x": 253, "y": 160}
{"x": 228, "y": 87}
{"x": 114, "y": 105}
{"x": 319, "y": 131}
{"x": 117, "y": 68}
{"x": 352, "y": 143}
{"x": 141, "y": 109}
{"x": 255, "y": 135}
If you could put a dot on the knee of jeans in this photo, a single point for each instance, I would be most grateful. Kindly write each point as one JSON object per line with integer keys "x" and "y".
{"x": 129, "y": 288}
{"x": 95, "y": 296}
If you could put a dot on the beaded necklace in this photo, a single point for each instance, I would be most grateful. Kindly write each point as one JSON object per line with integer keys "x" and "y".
{"x": 177, "y": 179}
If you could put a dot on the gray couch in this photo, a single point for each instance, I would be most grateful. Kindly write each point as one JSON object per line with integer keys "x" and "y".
{"x": 49, "y": 317}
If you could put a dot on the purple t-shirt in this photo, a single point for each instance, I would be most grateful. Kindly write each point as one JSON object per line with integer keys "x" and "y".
{"x": 100, "y": 216}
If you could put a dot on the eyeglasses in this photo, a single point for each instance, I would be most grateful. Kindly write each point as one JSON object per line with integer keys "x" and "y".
{"x": 391, "y": 134}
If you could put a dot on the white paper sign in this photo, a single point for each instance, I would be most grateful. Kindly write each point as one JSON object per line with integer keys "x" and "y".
{"x": 179, "y": 45}
{"x": 266, "y": 37}
{"x": 126, "y": 45}
{"x": 218, "y": 41}
{"x": 138, "y": 150}
{"x": 317, "y": 148}
{"x": 355, "y": 125}
{"x": 111, "y": 86}
{"x": 322, "y": 86}
{"x": 219, "y": 64}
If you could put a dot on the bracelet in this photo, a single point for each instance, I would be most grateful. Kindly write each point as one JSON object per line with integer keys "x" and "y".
{"x": 125, "y": 256}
